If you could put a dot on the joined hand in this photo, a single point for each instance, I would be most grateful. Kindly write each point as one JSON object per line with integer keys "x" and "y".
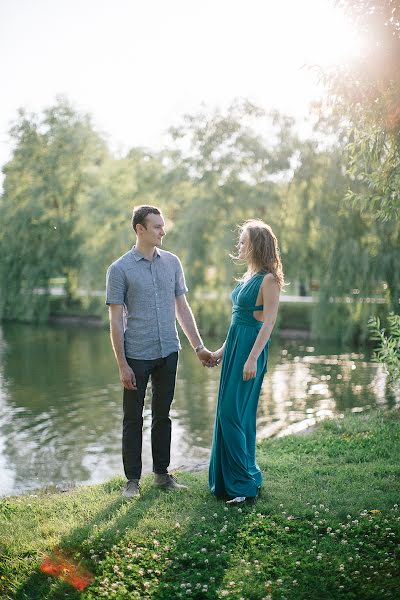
{"x": 207, "y": 358}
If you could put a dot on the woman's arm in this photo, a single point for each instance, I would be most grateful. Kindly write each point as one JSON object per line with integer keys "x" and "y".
{"x": 270, "y": 299}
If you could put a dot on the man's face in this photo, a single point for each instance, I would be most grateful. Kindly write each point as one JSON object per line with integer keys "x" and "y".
{"x": 154, "y": 232}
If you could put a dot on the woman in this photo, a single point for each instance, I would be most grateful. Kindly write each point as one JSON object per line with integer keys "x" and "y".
{"x": 233, "y": 470}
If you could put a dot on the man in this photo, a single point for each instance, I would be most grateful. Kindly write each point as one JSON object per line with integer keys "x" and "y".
{"x": 145, "y": 292}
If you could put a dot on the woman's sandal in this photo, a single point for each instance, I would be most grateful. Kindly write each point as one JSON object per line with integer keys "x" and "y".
{"x": 237, "y": 500}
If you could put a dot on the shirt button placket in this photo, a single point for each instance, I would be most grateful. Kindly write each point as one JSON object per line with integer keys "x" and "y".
{"x": 152, "y": 269}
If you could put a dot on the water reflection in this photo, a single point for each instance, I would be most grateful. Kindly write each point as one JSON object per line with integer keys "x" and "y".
{"x": 60, "y": 402}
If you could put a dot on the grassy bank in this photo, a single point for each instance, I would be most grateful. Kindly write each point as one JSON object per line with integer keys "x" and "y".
{"x": 327, "y": 525}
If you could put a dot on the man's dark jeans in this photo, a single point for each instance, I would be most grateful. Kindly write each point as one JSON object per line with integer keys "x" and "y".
{"x": 163, "y": 373}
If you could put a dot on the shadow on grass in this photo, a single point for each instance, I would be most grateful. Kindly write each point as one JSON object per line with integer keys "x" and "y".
{"x": 203, "y": 552}
{"x": 118, "y": 514}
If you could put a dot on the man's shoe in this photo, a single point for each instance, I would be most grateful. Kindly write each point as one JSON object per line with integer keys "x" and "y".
{"x": 132, "y": 489}
{"x": 167, "y": 482}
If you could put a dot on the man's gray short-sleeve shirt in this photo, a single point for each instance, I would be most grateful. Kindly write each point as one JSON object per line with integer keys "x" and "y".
{"x": 147, "y": 289}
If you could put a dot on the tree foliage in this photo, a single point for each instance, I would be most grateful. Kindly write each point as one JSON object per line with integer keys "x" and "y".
{"x": 366, "y": 93}
{"x": 55, "y": 158}
{"x": 67, "y": 204}
{"x": 232, "y": 172}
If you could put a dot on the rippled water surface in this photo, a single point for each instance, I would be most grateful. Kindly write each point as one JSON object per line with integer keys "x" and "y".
{"x": 60, "y": 402}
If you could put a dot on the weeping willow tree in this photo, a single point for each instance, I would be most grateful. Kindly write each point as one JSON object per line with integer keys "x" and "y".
{"x": 362, "y": 276}
{"x": 366, "y": 92}
{"x": 105, "y": 216}
{"x": 231, "y": 171}
{"x": 49, "y": 173}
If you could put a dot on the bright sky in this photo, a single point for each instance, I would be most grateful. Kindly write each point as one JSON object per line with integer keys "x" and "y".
{"x": 138, "y": 66}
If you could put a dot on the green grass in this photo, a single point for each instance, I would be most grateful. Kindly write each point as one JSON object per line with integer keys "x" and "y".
{"x": 326, "y": 525}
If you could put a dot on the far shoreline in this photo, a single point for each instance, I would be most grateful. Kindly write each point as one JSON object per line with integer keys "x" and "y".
{"x": 96, "y": 321}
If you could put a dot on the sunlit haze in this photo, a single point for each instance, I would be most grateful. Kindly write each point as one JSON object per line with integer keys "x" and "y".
{"x": 137, "y": 67}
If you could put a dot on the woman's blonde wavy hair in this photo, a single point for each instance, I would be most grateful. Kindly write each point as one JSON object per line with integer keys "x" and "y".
{"x": 262, "y": 254}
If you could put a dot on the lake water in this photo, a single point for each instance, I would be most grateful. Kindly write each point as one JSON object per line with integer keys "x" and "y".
{"x": 60, "y": 402}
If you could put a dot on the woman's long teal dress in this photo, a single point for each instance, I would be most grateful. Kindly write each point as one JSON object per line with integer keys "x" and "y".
{"x": 233, "y": 469}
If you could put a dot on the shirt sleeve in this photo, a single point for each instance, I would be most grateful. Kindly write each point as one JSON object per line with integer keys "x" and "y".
{"x": 115, "y": 285}
{"x": 180, "y": 283}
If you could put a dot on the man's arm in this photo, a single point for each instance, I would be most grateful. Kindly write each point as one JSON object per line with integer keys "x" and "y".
{"x": 188, "y": 323}
{"x": 126, "y": 375}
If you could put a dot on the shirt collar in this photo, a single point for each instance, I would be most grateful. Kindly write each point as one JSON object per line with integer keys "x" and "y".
{"x": 139, "y": 256}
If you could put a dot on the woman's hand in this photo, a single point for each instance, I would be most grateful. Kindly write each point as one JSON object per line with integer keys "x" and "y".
{"x": 249, "y": 369}
{"x": 217, "y": 355}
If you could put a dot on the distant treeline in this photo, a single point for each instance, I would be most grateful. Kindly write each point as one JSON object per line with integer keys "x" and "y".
{"x": 67, "y": 203}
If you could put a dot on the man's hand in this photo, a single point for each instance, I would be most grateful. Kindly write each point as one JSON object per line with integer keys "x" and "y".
{"x": 206, "y": 358}
{"x": 127, "y": 377}
{"x": 249, "y": 369}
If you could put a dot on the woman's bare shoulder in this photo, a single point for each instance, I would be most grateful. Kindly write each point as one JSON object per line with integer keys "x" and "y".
{"x": 270, "y": 283}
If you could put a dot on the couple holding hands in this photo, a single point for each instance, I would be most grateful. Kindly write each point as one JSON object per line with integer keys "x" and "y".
{"x": 146, "y": 293}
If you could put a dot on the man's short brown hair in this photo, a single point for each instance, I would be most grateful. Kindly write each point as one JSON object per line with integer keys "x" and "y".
{"x": 140, "y": 213}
